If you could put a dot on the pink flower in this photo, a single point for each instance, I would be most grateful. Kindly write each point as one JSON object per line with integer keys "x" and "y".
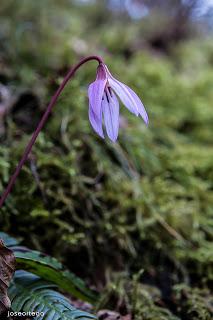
{"x": 104, "y": 105}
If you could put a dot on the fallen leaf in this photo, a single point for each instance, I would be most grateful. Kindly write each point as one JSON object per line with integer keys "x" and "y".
{"x": 7, "y": 269}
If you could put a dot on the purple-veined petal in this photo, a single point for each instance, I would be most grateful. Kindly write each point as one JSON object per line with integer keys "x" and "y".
{"x": 108, "y": 74}
{"x": 110, "y": 107}
{"x": 96, "y": 89}
{"x": 95, "y": 94}
{"x": 96, "y": 121}
{"x": 124, "y": 94}
{"x": 139, "y": 104}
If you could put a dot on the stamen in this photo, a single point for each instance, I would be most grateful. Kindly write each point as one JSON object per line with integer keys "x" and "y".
{"x": 110, "y": 91}
{"x": 107, "y": 96}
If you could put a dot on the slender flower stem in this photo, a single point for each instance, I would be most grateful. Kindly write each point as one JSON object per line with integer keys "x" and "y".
{"x": 41, "y": 124}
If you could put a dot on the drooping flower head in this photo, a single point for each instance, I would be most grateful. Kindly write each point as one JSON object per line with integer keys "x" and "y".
{"x": 104, "y": 104}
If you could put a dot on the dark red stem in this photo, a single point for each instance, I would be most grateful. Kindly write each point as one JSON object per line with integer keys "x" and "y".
{"x": 42, "y": 123}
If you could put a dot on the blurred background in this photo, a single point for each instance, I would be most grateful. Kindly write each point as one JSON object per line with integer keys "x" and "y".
{"x": 133, "y": 218}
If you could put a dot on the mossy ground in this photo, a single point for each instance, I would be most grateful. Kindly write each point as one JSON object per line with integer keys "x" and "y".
{"x": 107, "y": 210}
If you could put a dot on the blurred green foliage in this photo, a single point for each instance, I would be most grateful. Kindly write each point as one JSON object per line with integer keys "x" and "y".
{"x": 145, "y": 202}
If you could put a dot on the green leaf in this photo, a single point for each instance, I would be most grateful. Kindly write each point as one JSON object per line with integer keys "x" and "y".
{"x": 8, "y": 241}
{"x": 28, "y": 293}
{"x": 52, "y": 270}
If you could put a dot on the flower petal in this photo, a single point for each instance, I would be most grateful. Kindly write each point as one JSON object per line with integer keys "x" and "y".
{"x": 139, "y": 104}
{"x": 95, "y": 94}
{"x": 96, "y": 121}
{"x": 110, "y": 106}
{"x": 124, "y": 94}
